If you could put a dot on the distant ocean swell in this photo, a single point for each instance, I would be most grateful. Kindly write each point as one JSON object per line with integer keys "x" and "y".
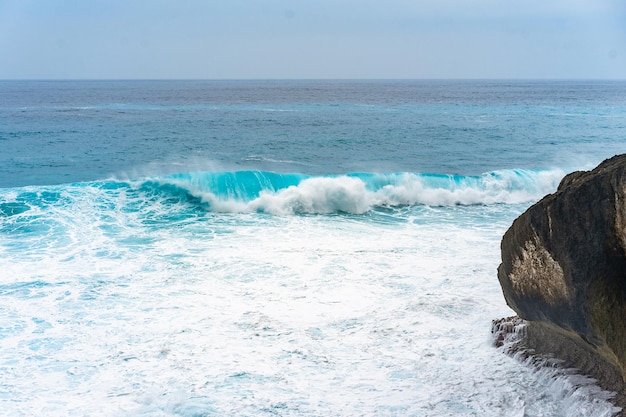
{"x": 288, "y": 194}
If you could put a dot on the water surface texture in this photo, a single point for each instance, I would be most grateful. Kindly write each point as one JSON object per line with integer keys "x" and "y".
{"x": 291, "y": 248}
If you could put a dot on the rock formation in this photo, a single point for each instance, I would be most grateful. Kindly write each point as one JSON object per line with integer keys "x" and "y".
{"x": 563, "y": 271}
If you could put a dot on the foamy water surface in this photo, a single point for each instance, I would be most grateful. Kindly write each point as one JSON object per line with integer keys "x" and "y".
{"x": 279, "y": 248}
{"x": 126, "y": 304}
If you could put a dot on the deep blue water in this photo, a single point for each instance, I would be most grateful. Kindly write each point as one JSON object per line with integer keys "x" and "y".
{"x": 292, "y": 248}
{"x": 55, "y": 132}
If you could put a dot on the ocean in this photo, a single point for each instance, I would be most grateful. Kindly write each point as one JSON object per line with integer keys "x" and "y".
{"x": 279, "y": 248}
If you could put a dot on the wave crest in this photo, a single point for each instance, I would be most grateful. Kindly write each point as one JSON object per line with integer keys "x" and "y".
{"x": 321, "y": 195}
{"x": 358, "y": 193}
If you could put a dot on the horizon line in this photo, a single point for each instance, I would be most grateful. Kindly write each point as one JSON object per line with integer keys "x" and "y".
{"x": 323, "y": 79}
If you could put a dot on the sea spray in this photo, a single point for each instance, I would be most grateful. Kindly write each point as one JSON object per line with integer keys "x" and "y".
{"x": 293, "y": 248}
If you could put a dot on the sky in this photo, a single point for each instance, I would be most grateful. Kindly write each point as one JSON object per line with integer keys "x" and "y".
{"x": 312, "y": 39}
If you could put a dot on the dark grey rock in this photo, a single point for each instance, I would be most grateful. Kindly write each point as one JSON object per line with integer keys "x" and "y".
{"x": 563, "y": 271}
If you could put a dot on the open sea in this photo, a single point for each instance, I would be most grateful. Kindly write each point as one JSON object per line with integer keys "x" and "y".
{"x": 279, "y": 248}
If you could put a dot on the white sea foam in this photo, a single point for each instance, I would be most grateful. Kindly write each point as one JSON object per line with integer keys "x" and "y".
{"x": 122, "y": 309}
{"x": 317, "y": 195}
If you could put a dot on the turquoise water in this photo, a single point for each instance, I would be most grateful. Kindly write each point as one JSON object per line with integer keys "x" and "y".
{"x": 57, "y": 132}
{"x": 189, "y": 248}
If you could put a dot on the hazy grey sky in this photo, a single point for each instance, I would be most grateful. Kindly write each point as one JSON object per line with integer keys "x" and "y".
{"x": 312, "y": 39}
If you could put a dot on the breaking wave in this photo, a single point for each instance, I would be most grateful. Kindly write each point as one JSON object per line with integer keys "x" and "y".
{"x": 286, "y": 194}
{"x": 258, "y": 191}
